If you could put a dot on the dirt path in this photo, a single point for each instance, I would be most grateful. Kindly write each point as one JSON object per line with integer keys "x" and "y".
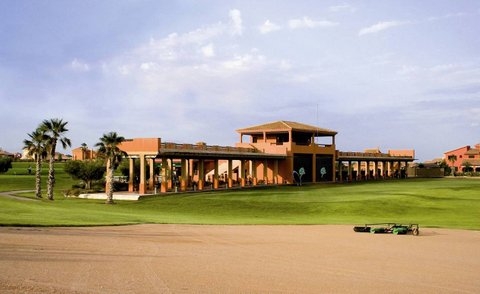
{"x": 236, "y": 259}
{"x": 11, "y": 194}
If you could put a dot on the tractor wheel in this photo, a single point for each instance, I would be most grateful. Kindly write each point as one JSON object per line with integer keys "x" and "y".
{"x": 361, "y": 229}
{"x": 415, "y": 232}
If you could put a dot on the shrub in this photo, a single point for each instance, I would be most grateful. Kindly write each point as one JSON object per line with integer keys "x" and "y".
{"x": 5, "y": 164}
{"x": 87, "y": 171}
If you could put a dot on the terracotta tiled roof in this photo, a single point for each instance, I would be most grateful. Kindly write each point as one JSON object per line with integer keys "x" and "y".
{"x": 283, "y": 125}
{"x": 471, "y": 161}
{"x": 5, "y": 153}
{"x": 472, "y": 152}
{"x": 373, "y": 150}
{"x": 459, "y": 148}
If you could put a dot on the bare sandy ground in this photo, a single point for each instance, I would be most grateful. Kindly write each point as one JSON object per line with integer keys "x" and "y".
{"x": 236, "y": 259}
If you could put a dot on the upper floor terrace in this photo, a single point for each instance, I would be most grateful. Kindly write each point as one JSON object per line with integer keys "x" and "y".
{"x": 284, "y": 137}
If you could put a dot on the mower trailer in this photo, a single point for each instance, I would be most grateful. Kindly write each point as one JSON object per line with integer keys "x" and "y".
{"x": 388, "y": 228}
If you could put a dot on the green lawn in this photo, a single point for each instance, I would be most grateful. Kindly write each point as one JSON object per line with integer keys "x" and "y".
{"x": 449, "y": 203}
{"x": 18, "y": 178}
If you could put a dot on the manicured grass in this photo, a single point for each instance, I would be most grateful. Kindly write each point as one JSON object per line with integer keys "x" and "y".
{"x": 449, "y": 203}
{"x": 18, "y": 178}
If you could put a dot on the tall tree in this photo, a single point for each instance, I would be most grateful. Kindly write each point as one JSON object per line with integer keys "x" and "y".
{"x": 113, "y": 155}
{"x": 36, "y": 147}
{"x": 84, "y": 148}
{"x": 55, "y": 129}
{"x": 452, "y": 159}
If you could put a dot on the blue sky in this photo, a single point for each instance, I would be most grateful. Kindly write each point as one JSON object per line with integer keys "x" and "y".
{"x": 387, "y": 74}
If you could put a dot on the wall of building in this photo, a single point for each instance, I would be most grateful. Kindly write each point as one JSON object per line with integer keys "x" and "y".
{"x": 460, "y": 154}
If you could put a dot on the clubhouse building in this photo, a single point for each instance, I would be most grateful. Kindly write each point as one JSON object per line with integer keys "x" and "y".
{"x": 281, "y": 152}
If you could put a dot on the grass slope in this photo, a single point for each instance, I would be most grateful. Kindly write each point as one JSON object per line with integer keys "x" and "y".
{"x": 451, "y": 203}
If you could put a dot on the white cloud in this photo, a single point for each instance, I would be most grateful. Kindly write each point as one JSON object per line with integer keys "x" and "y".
{"x": 124, "y": 70}
{"x": 381, "y": 26}
{"x": 474, "y": 117}
{"x": 342, "y": 7}
{"x": 407, "y": 70}
{"x": 448, "y": 16}
{"x": 285, "y": 65}
{"x": 209, "y": 50}
{"x": 306, "y": 22}
{"x": 147, "y": 66}
{"x": 245, "y": 62}
{"x": 268, "y": 27}
{"x": 236, "y": 19}
{"x": 444, "y": 67}
{"x": 80, "y": 66}
{"x": 191, "y": 45}
{"x": 179, "y": 69}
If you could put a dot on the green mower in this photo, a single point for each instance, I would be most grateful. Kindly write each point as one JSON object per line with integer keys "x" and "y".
{"x": 388, "y": 228}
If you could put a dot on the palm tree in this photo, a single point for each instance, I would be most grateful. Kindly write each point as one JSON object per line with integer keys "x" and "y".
{"x": 108, "y": 149}
{"x": 55, "y": 129}
{"x": 84, "y": 148}
{"x": 452, "y": 159}
{"x": 36, "y": 147}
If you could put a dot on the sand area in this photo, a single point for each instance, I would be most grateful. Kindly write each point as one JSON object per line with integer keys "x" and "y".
{"x": 236, "y": 259}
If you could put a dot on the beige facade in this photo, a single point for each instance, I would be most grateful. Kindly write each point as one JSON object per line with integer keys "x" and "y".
{"x": 82, "y": 153}
{"x": 299, "y": 143}
{"x": 281, "y": 152}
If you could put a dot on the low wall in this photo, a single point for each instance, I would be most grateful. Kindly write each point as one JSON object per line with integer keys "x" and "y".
{"x": 116, "y": 196}
{"x": 433, "y": 172}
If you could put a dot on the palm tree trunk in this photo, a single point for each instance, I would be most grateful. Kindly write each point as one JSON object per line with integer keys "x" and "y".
{"x": 38, "y": 177}
{"x": 51, "y": 173}
{"x": 109, "y": 183}
{"x": 51, "y": 179}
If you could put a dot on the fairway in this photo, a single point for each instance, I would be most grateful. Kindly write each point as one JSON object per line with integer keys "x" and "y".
{"x": 447, "y": 203}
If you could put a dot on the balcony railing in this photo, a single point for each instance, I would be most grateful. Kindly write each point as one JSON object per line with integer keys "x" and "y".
{"x": 207, "y": 148}
{"x": 370, "y": 155}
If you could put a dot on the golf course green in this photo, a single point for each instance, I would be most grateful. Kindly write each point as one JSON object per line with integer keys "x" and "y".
{"x": 440, "y": 202}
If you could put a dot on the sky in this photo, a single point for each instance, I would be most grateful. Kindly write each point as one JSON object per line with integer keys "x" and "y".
{"x": 384, "y": 74}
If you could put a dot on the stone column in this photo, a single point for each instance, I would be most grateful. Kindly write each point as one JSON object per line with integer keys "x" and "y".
{"x": 215, "y": 174}
{"x": 265, "y": 172}
{"x": 142, "y": 188}
{"x": 367, "y": 170}
{"x": 359, "y": 170}
{"x": 333, "y": 169}
{"x": 163, "y": 172}
{"x": 254, "y": 172}
{"x": 151, "y": 181}
{"x": 275, "y": 171}
{"x": 340, "y": 171}
{"x": 201, "y": 174}
{"x": 229, "y": 173}
{"x": 184, "y": 178}
{"x": 242, "y": 173}
{"x": 170, "y": 178}
{"x": 350, "y": 171}
{"x": 131, "y": 175}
